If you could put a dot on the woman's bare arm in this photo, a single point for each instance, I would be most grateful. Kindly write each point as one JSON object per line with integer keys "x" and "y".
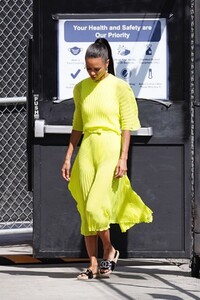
{"x": 74, "y": 139}
{"x": 121, "y": 167}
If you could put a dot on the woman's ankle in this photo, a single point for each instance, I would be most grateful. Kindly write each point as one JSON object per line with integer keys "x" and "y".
{"x": 93, "y": 268}
{"x": 108, "y": 252}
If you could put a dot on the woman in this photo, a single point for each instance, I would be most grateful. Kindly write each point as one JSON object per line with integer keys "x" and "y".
{"x": 111, "y": 62}
{"x": 105, "y": 111}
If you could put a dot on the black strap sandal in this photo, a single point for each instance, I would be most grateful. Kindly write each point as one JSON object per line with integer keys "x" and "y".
{"x": 107, "y": 266}
{"x": 85, "y": 275}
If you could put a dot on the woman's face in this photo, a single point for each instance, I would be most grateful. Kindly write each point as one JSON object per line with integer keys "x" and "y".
{"x": 97, "y": 68}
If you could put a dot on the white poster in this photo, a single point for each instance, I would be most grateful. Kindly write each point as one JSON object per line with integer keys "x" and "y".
{"x": 139, "y": 48}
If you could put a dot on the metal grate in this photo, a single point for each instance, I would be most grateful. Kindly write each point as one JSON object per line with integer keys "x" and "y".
{"x": 15, "y": 201}
{"x": 15, "y": 30}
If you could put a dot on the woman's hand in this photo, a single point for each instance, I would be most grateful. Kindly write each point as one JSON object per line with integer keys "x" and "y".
{"x": 121, "y": 168}
{"x": 66, "y": 169}
{"x": 74, "y": 138}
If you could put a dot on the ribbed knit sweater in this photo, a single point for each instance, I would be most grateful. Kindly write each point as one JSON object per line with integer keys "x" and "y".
{"x": 105, "y": 105}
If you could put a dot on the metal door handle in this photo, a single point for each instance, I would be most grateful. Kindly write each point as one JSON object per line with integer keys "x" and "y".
{"x": 41, "y": 129}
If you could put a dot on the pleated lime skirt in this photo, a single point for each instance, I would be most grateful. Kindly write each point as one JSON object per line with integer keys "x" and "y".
{"x": 101, "y": 199}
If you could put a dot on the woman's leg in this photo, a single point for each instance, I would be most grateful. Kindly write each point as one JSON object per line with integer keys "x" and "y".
{"x": 91, "y": 243}
{"x": 110, "y": 255}
{"x": 108, "y": 249}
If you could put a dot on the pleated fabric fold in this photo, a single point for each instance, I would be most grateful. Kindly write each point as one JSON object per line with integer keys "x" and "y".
{"x": 101, "y": 199}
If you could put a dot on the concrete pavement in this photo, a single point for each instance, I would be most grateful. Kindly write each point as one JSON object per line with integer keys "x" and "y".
{"x": 133, "y": 279}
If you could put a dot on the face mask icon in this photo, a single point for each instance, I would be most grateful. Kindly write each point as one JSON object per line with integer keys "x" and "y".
{"x": 75, "y": 50}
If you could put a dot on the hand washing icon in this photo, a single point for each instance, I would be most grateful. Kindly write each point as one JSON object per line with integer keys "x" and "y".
{"x": 123, "y": 51}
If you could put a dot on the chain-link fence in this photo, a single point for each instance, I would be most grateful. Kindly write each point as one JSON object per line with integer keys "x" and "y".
{"x": 15, "y": 203}
{"x": 15, "y": 30}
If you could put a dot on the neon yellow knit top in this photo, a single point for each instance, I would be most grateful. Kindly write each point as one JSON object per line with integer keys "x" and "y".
{"x": 105, "y": 105}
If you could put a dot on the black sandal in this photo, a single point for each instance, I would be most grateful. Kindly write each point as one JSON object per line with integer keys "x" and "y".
{"x": 107, "y": 266}
{"x": 85, "y": 275}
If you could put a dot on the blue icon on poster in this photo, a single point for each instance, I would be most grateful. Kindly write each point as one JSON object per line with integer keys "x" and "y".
{"x": 75, "y": 74}
{"x": 123, "y": 51}
{"x": 125, "y": 73}
{"x": 75, "y": 50}
{"x": 150, "y": 74}
{"x": 149, "y": 50}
